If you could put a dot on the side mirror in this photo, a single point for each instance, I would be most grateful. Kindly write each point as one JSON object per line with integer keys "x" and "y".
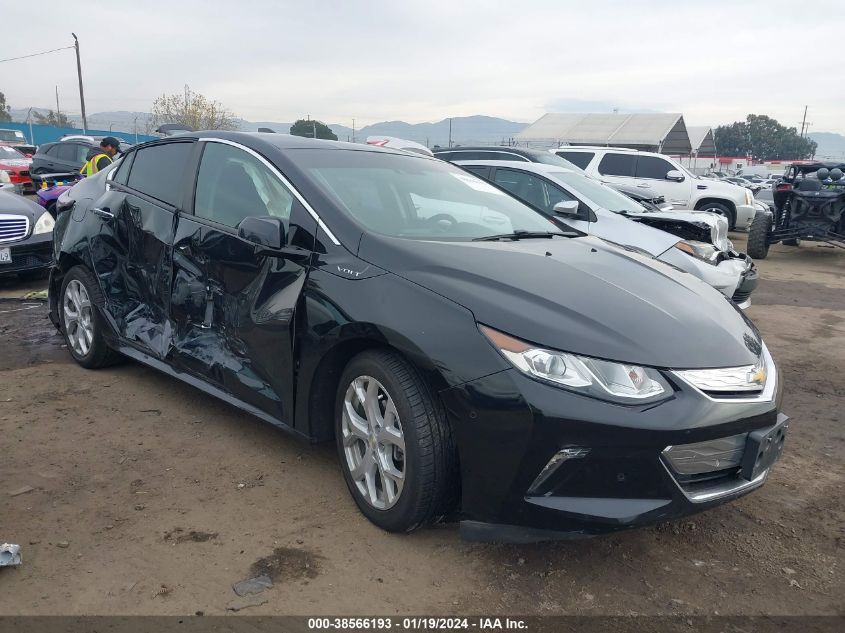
{"x": 566, "y": 207}
{"x": 265, "y": 231}
{"x": 675, "y": 175}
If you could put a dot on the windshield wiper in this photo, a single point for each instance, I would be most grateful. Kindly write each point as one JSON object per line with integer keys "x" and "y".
{"x": 523, "y": 235}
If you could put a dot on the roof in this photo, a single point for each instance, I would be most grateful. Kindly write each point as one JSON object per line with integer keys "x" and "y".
{"x": 664, "y": 132}
{"x": 488, "y": 148}
{"x": 537, "y": 168}
{"x": 701, "y": 139}
{"x": 806, "y": 168}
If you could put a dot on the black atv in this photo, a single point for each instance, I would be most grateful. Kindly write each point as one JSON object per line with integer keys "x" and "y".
{"x": 809, "y": 204}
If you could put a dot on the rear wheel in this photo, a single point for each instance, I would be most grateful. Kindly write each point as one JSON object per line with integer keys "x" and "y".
{"x": 721, "y": 209}
{"x": 81, "y": 323}
{"x": 758, "y": 236}
{"x": 395, "y": 444}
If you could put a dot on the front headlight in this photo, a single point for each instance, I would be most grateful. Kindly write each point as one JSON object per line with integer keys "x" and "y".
{"x": 700, "y": 250}
{"x": 4, "y": 176}
{"x": 45, "y": 224}
{"x": 719, "y": 233}
{"x": 606, "y": 380}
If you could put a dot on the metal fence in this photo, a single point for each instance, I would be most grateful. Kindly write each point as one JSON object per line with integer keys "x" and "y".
{"x": 40, "y": 134}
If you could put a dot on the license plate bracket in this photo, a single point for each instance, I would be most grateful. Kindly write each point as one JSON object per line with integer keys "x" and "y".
{"x": 5, "y": 255}
{"x": 763, "y": 447}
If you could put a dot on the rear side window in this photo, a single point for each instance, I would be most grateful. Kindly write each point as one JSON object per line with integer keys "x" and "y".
{"x": 653, "y": 167}
{"x": 579, "y": 159}
{"x": 49, "y": 150}
{"x": 67, "y": 151}
{"x": 617, "y": 165}
{"x": 158, "y": 171}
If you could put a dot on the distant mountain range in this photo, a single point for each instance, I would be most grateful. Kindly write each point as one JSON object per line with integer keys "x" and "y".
{"x": 465, "y": 130}
{"x": 830, "y": 146}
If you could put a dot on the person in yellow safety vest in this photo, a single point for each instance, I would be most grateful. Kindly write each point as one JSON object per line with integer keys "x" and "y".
{"x": 98, "y": 160}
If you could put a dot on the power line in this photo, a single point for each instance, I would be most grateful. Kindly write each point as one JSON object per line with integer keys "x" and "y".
{"x": 11, "y": 59}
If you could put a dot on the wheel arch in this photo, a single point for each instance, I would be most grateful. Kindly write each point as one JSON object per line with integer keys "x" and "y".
{"x": 317, "y": 385}
{"x": 64, "y": 262}
{"x": 711, "y": 199}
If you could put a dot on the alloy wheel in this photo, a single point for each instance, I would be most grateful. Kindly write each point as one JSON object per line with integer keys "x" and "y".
{"x": 373, "y": 442}
{"x": 78, "y": 317}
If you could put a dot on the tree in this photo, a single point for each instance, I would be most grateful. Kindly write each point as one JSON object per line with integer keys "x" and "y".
{"x": 4, "y": 109}
{"x": 307, "y": 127}
{"x": 192, "y": 109}
{"x": 56, "y": 119}
{"x": 763, "y": 138}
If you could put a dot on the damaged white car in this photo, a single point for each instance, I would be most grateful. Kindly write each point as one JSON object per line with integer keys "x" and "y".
{"x": 586, "y": 204}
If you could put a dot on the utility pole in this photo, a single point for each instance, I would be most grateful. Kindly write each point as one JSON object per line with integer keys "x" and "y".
{"x": 804, "y": 122}
{"x": 450, "y": 131}
{"x": 135, "y": 126}
{"x": 79, "y": 74}
{"x": 353, "y": 130}
{"x": 29, "y": 120}
{"x": 58, "y": 112}
{"x": 314, "y": 129}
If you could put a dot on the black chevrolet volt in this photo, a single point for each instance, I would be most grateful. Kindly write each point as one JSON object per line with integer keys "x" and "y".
{"x": 472, "y": 359}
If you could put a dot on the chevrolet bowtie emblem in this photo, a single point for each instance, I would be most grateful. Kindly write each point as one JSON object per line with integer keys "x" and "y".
{"x": 757, "y": 376}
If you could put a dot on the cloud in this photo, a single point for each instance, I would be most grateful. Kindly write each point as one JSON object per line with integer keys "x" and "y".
{"x": 714, "y": 61}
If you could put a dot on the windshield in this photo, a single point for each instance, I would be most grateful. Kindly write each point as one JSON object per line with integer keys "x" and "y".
{"x": 417, "y": 198}
{"x": 12, "y": 135}
{"x": 596, "y": 192}
{"x": 9, "y": 153}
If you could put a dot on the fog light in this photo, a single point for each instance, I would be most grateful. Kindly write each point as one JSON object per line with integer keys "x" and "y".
{"x": 564, "y": 454}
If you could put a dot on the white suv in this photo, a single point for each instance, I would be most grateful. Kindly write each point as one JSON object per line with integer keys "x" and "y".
{"x": 682, "y": 189}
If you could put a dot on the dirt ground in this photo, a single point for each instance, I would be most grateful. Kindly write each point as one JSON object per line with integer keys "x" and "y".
{"x": 148, "y": 497}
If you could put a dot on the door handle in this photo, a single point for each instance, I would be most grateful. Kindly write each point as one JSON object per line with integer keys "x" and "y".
{"x": 103, "y": 213}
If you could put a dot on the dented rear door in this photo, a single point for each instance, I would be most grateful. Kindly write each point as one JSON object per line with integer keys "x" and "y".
{"x": 131, "y": 247}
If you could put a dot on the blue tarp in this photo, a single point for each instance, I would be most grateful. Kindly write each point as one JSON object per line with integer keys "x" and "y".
{"x": 48, "y": 133}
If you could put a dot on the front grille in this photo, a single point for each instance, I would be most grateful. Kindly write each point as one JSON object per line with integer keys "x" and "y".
{"x": 741, "y": 295}
{"x": 32, "y": 261}
{"x": 747, "y": 382}
{"x": 25, "y": 174}
{"x": 13, "y": 227}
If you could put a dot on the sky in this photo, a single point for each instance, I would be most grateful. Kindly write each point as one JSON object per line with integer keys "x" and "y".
{"x": 714, "y": 61}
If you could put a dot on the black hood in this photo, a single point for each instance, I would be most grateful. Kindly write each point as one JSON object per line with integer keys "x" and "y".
{"x": 579, "y": 295}
{"x": 14, "y": 204}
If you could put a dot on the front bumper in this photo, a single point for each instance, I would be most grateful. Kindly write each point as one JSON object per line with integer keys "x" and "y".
{"x": 744, "y": 216}
{"x": 742, "y": 295}
{"x": 10, "y": 187}
{"x": 735, "y": 277}
{"x": 509, "y": 427}
{"x": 30, "y": 255}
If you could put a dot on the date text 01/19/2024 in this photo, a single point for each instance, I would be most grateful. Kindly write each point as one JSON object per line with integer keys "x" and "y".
{"x": 417, "y": 624}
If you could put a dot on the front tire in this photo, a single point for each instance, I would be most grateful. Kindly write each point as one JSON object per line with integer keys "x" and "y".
{"x": 723, "y": 210}
{"x": 394, "y": 442}
{"x": 758, "y": 236}
{"x": 82, "y": 325}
